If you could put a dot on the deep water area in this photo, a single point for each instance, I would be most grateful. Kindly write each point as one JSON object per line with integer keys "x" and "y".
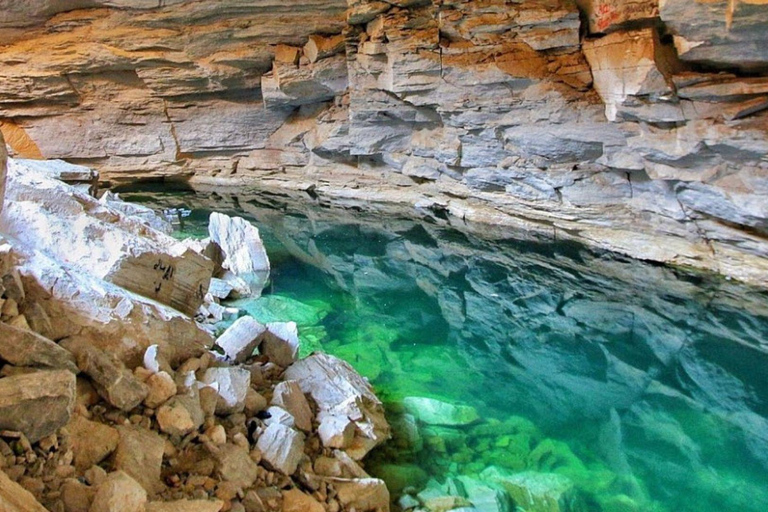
{"x": 564, "y": 378}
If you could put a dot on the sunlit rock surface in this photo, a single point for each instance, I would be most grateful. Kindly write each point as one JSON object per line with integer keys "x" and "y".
{"x": 642, "y": 131}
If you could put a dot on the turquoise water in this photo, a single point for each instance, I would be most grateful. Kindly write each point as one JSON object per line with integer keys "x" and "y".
{"x": 642, "y": 388}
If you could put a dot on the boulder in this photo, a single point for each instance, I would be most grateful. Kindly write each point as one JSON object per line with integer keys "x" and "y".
{"x": 289, "y": 396}
{"x": 436, "y": 412}
{"x": 92, "y": 442}
{"x": 281, "y": 343}
{"x": 186, "y": 506}
{"x": 81, "y": 177}
{"x": 22, "y": 347}
{"x": 241, "y": 339}
{"x": 362, "y": 494}
{"x": 113, "y": 381}
{"x": 243, "y": 249}
{"x": 140, "y": 455}
{"x": 231, "y": 384}
{"x": 296, "y": 501}
{"x": 75, "y": 228}
{"x": 37, "y": 403}
{"x": 181, "y": 414}
{"x": 13, "y": 497}
{"x": 338, "y": 390}
{"x": 281, "y": 447}
{"x": 234, "y": 464}
{"x": 320, "y": 47}
{"x": 119, "y": 493}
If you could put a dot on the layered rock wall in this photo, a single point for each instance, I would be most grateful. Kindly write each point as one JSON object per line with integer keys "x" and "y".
{"x": 639, "y": 126}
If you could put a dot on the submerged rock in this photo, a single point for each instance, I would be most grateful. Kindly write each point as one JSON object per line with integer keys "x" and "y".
{"x": 436, "y": 412}
{"x": 537, "y": 492}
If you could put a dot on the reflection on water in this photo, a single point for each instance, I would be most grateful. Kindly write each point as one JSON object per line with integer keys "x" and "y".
{"x": 603, "y": 383}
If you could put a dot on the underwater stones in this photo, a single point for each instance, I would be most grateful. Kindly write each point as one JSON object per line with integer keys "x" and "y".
{"x": 241, "y": 339}
{"x": 484, "y": 496}
{"x": 281, "y": 343}
{"x": 537, "y": 492}
{"x": 244, "y": 251}
{"x": 400, "y": 476}
{"x": 281, "y": 447}
{"x": 22, "y": 347}
{"x": 338, "y": 390}
{"x": 289, "y": 396}
{"x": 37, "y": 403}
{"x": 112, "y": 379}
{"x": 231, "y": 384}
{"x": 436, "y": 412}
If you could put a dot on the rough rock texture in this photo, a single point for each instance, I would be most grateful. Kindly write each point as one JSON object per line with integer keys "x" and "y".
{"x": 14, "y": 498}
{"x": 643, "y": 132}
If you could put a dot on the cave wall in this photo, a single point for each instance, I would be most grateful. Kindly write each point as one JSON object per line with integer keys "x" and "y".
{"x": 637, "y": 126}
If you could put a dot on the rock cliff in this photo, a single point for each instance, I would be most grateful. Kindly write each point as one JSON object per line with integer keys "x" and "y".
{"x": 636, "y": 126}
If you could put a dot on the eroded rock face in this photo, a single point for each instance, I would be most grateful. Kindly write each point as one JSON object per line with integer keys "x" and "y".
{"x": 621, "y": 134}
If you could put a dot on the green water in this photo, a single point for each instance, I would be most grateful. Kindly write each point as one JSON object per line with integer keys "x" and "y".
{"x": 643, "y": 388}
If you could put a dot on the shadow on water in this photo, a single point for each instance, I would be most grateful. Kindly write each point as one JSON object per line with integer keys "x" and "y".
{"x": 642, "y": 387}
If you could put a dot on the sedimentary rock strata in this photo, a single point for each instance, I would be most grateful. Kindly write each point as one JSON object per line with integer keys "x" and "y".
{"x": 640, "y": 129}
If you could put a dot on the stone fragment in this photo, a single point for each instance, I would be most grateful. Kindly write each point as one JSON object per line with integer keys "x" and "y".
{"x": 485, "y": 496}
{"x": 13, "y": 497}
{"x": 232, "y": 384}
{"x": 181, "y": 414}
{"x": 338, "y": 390}
{"x": 3, "y": 170}
{"x": 279, "y": 416}
{"x": 254, "y": 402}
{"x": 362, "y": 494}
{"x": 220, "y": 289}
{"x": 38, "y": 319}
{"x": 363, "y": 12}
{"x": 76, "y": 496}
{"x": 140, "y": 455}
{"x": 119, "y": 493}
{"x": 319, "y": 47}
{"x": 26, "y": 348}
{"x": 113, "y": 381}
{"x": 161, "y": 388}
{"x": 37, "y": 403}
{"x": 287, "y": 54}
{"x": 281, "y": 343}
{"x": 296, "y": 501}
{"x": 234, "y": 464}
{"x": 336, "y": 431}
{"x": 436, "y": 412}
{"x": 91, "y": 441}
{"x": 289, "y": 396}
{"x": 241, "y": 338}
{"x": 244, "y": 251}
{"x": 186, "y": 506}
{"x": 281, "y": 447}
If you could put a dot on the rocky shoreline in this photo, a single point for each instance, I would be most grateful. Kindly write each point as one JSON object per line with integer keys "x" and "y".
{"x": 112, "y": 401}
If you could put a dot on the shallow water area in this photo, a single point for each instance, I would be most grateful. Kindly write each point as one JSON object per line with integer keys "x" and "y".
{"x": 525, "y": 371}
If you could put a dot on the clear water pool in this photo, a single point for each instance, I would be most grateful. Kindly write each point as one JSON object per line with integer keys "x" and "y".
{"x": 639, "y": 387}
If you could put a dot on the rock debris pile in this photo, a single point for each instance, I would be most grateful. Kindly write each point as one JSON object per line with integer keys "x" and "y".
{"x": 112, "y": 399}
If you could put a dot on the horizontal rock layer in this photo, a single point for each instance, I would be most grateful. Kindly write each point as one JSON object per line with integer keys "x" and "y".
{"x": 643, "y": 132}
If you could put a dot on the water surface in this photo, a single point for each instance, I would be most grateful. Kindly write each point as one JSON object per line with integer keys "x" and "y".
{"x": 643, "y": 387}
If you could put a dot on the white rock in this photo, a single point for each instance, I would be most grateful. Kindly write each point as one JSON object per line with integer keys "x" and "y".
{"x": 336, "y": 431}
{"x": 220, "y": 289}
{"x": 241, "y": 339}
{"x": 338, "y": 390}
{"x": 289, "y": 396}
{"x": 281, "y": 343}
{"x": 232, "y": 386}
{"x": 281, "y": 447}
{"x": 244, "y": 251}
